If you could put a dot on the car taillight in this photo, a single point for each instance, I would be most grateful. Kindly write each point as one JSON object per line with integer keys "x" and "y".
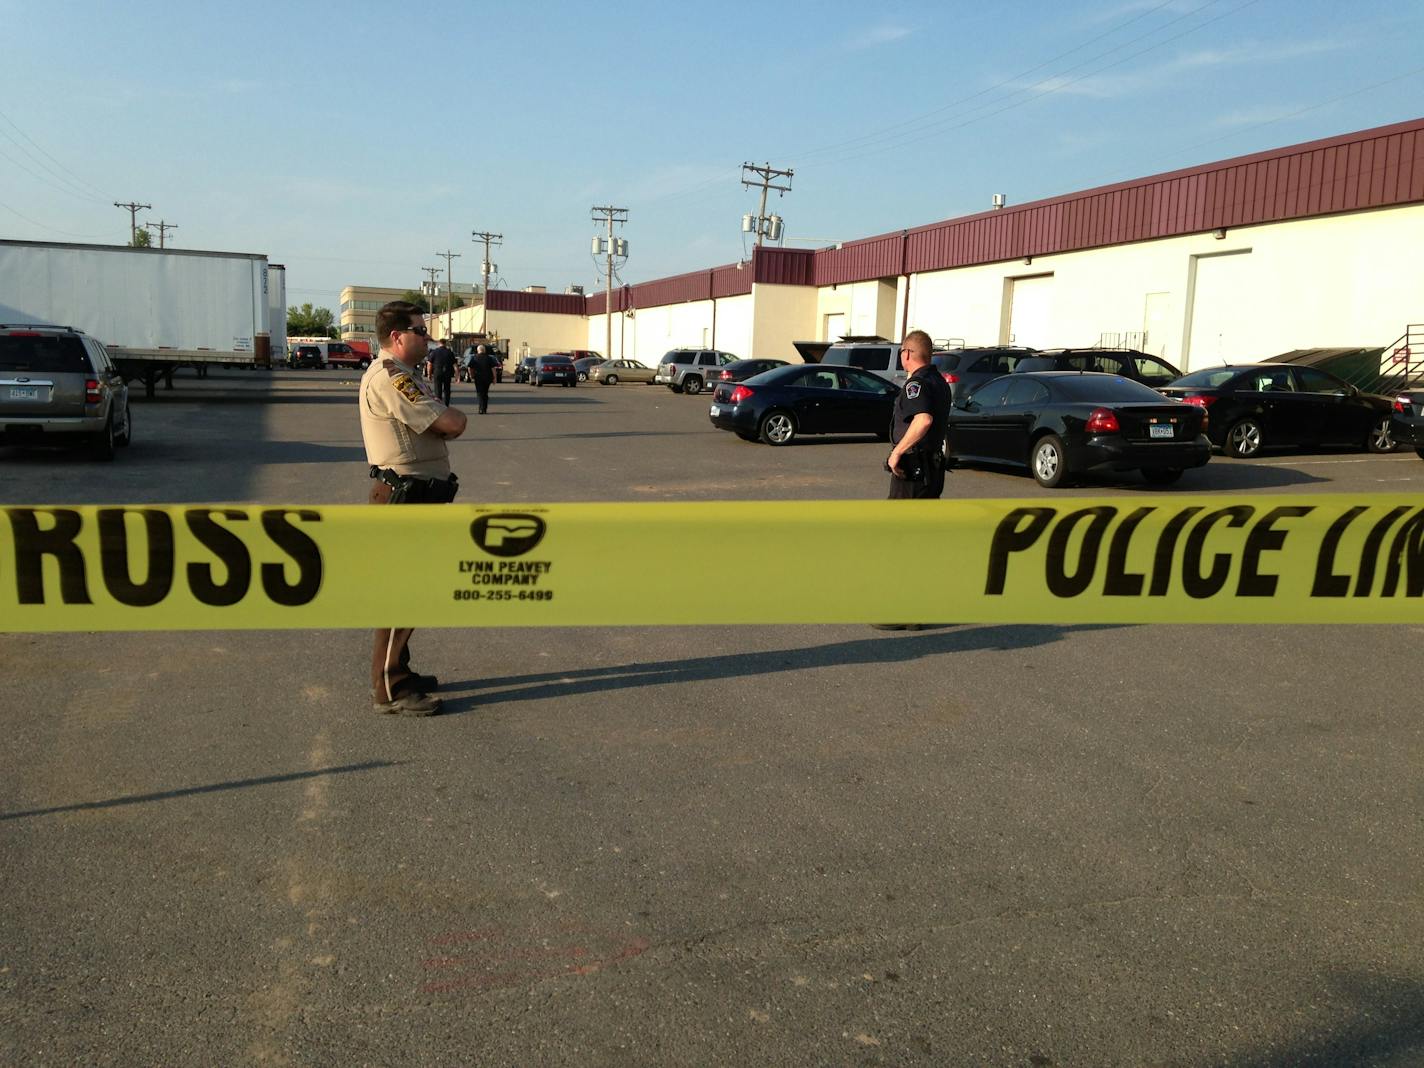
{"x": 949, "y": 379}
{"x": 1401, "y": 404}
{"x": 1202, "y": 401}
{"x": 91, "y": 391}
{"x": 740, "y": 394}
{"x": 1102, "y": 421}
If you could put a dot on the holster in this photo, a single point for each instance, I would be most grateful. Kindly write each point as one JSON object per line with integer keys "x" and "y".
{"x": 412, "y": 489}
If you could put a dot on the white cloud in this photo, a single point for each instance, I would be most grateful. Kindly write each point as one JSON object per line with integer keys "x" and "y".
{"x": 876, "y": 36}
{"x": 1254, "y": 116}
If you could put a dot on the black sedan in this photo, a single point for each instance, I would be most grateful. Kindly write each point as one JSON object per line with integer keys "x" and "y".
{"x": 741, "y": 370}
{"x": 1407, "y": 426}
{"x": 1060, "y": 423}
{"x": 1258, "y": 406}
{"x": 780, "y": 405}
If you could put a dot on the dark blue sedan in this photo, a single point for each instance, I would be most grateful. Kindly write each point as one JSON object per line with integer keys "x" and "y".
{"x": 779, "y": 406}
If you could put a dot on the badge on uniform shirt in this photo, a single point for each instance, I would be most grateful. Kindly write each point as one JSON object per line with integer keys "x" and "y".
{"x": 912, "y": 391}
{"x": 407, "y": 388}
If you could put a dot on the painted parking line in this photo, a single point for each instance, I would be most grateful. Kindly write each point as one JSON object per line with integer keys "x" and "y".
{"x": 1362, "y": 460}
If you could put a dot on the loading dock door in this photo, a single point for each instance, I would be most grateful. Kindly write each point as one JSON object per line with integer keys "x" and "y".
{"x": 835, "y": 327}
{"x": 1031, "y": 311}
{"x": 1222, "y": 309}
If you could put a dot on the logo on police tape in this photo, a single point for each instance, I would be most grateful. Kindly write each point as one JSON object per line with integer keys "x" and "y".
{"x": 507, "y": 533}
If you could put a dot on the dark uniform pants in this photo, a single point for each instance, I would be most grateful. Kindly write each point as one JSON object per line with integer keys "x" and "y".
{"x": 930, "y": 486}
{"x": 482, "y": 387}
{"x": 390, "y": 651}
{"x": 442, "y": 388}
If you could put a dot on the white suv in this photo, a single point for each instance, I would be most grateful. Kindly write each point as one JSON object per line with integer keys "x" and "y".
{"x": 58, "y": 384}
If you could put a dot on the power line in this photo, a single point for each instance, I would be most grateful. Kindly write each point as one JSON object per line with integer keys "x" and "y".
{"x": 486, "y": 268}
{"x": 766, "y": 174}
{"x": 133, "y": 208}
{"x": 163, "y": 228}
{"x": 1051, "y": 85}
{"x": 78, "y": 182}
{"x": 1014, "y": 78}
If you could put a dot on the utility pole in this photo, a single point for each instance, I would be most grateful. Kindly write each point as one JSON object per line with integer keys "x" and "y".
{"x": 485, "y": 268}
{"x": 766, "y": 173}
{"x": 432, "y": 287}
{"x": 449, "y": 292}
{"x": 612, "y": 247}
{"x": 163, "y": 228}
{"x": 133, "y": 209}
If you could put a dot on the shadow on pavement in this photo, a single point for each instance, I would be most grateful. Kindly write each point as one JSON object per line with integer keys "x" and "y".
{"x": 1388, "y": 1028}
{"x": 1217, "y": 475}
{"x": 211, "y": 788}
{"x": 891, "y": 647}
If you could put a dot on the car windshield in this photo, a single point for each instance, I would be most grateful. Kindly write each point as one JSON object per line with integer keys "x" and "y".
{"x": 1100, "y": 388}
{"x": 42, "y": 352}
{"x": 1208, "y": 379}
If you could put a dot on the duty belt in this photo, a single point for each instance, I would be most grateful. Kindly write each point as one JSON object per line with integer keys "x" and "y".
{"x": 412, "y": 489}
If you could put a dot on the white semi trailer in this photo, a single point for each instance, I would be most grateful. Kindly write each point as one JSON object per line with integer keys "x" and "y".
{"x": 155, "y": 309}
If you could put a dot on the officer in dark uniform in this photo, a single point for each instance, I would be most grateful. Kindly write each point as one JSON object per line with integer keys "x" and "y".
{"x": 441, "y": 362}
{"x": 917, "y": 429}
{"x": 482, "y": 366}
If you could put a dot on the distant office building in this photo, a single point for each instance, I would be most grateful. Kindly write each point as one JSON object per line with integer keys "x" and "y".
{"x": 359, "y": 305}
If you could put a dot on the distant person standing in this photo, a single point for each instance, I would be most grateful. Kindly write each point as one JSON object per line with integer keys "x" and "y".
{"x": 482, "y": 366}
{"x": 404, "y": 428}
{"x": 441, "y": 362}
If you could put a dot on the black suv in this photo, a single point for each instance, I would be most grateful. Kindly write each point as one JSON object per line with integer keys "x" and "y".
{"x": 967, "y": 369}
{"x": 1129, "y": 363}
{"x": 58, "y": 385}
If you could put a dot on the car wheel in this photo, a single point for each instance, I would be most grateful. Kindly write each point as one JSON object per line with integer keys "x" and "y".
{"x": 126, "y": 437}
{"x": 1047, "y": 461}
{"x": 692, "y": 385}
{"x": 364, "y": 364}
{"x": 583, "y": 376}
{"x": 1380, "y": 439}
{"x": 777, "y": 428}
{"x": 611, "y": 380}
{"x": 1419, "y": 453}
{"x": 101, "y": 445}
{"x": 1243, "y": 440}
{"x": 1161, "y": 476}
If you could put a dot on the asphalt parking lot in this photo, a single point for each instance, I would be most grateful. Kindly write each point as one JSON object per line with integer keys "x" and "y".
{"x": 992, "y": 845}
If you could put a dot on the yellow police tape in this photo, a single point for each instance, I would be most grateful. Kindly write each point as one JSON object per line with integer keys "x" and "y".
{"x": 1324, "y": 558}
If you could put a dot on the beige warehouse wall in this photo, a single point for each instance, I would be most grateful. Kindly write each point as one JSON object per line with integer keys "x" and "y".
{"x": 782, "y": 315}
{"x": 1344, "y": 280}
{"x": 869, "y": 309}
{"x": 543, "y": 333}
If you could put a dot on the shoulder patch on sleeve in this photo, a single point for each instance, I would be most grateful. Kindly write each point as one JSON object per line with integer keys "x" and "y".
{"x": 406, "y": 387}
{"x": 912, "y": 390}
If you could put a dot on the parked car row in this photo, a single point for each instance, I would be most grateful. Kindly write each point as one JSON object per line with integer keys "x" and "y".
{"x": 1063, "y": 412}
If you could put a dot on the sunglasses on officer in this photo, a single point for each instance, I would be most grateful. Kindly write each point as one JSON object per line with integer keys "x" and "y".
{"x": 419, "y": 331}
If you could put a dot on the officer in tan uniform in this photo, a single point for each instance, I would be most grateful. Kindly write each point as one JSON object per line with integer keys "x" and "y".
{"x": 405, "y": 429}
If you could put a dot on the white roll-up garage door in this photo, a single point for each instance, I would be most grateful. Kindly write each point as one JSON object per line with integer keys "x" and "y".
{"x": 1031, "y": 312}
{"x": 1222, "y": 312}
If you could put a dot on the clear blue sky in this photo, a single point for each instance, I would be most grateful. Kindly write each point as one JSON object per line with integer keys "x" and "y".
{"x": 354, "y": 141}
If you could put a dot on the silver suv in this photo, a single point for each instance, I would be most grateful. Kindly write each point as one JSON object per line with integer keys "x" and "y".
{"x": 688, "y": 370}
{"x": 57, "y": 384}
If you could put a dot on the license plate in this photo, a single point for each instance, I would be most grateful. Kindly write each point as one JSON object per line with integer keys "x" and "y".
{"x": 714, "y": 410}
{"x": 1159, "y": 430}
{"x": 24, "y": 392}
